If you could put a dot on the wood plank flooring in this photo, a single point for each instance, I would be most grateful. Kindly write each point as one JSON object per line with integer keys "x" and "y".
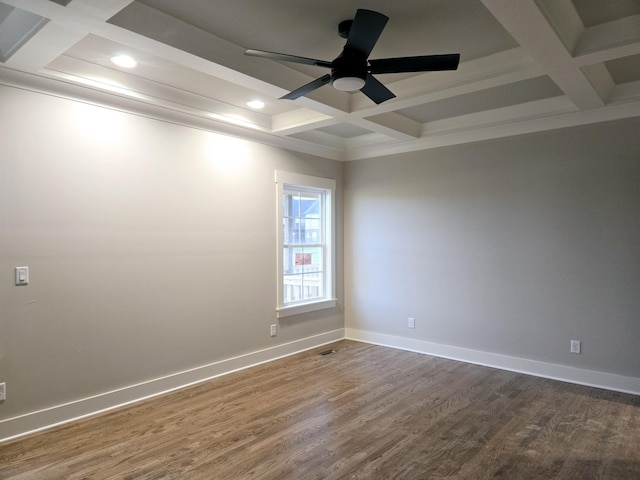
{"x": 363, "y": 412}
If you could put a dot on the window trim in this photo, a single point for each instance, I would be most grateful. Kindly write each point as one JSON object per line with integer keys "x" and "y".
{"x": 283, "y": 178}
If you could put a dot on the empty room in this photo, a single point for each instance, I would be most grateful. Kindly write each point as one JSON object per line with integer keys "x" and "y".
{"x": 320, "y": 240}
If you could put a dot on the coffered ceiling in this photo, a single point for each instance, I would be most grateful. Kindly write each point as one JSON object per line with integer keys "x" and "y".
{"x": 525, "y": 66}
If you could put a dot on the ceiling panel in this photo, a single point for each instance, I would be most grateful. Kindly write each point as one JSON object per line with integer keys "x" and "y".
{"x": 345, "y": 130}
{"x": 625, "y": 69}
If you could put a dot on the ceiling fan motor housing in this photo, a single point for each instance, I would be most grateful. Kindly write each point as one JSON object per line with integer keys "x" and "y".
{"x": 344, "y": 28}
{"x": 349, "y": 71}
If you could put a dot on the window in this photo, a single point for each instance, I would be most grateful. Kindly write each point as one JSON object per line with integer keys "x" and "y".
{"x": 305, "y": 243}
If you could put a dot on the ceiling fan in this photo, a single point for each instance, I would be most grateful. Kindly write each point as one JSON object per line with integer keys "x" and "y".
{"x": 352, "y": 70}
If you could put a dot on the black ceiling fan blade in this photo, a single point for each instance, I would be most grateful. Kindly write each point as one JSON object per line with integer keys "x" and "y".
{"x": 309, "y": 87}
{"x": 288, "y": 58}
{"x": 365, "y": 31}
{"x": 424, "y": 63}
{"x": 376, "y": 91}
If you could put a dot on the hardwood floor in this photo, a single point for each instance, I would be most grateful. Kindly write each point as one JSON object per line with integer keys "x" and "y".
{"x": 363, "y": 412}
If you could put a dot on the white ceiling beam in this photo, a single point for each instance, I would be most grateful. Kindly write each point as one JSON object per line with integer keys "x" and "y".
{"x": 564, "y": 18}
{"x": 608, "y": 53}
{"x": 515, "y": 113}
{"x": 615, "y": 39}
{"x": 392, "y": 125}
{"x": 300, "y": 120}
{"x": 623, "y": 31}
{"x": 600, "y": 79}
{"x": 529, "y": 27}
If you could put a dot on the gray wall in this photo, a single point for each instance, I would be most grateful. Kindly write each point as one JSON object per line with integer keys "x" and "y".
{"x": 151, "y": 249}
{"x": 513, "y": 246}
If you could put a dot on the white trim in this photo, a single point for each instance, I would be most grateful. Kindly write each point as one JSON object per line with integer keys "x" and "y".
{"x": 32, "y": 422}
{"x": 591, "y": 378}
{"x": 282, "y": 179}
{"x": 304, "y": 180}
{"x": 297, "y": 309}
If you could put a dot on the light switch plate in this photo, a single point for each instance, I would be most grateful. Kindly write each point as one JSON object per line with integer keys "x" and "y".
{"x": 22, "y": 276}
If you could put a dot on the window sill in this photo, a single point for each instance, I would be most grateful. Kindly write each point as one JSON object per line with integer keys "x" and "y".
{"x": 299, "y": 308}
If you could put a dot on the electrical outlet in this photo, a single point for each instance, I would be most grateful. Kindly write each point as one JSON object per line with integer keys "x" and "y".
{"x": 575, "y": 346}
{"x": 274, "y": 330}
{"x": 3, "y": 391}
{"x": 412, "y": 322}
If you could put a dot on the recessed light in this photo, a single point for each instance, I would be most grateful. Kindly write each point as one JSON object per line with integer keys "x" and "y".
{"x": 256, "y": 104}
{"x": 124, "y": 61}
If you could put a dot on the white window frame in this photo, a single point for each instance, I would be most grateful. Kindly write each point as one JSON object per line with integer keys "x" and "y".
{"x": 307, "y": 182}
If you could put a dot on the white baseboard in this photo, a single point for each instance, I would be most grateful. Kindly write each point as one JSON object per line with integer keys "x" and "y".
{"x": 591, "y": 378}
{"x": 43, "y": 419}
{"x": 32, "y": 422}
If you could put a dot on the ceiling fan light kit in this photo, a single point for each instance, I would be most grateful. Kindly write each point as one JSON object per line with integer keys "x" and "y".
{"x": 352, "y": 70}
{"x": 348, "y": 84}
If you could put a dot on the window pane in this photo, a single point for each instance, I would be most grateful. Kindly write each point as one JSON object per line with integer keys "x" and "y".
{"x": 303, "y": 286}
{"x": 291, "y": 230}
{"x": 313, "y": 285}
{"x": 302, "y": 260}
{"x": 303, "y": 270}
{"x": 312, "y": 231}
{"x": 292, "y": 288}
{"x": 302, "y": 217}
{"x": 311, "y": 204}
{"x": 289, "y": 256}
{"x": 291, "y": 204}
{"x": 315, "y": 261}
